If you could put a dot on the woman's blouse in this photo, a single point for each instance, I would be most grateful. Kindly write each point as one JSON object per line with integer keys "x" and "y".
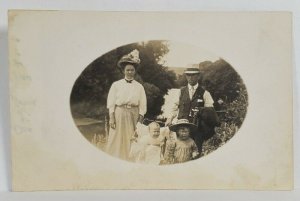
{"x": 124, "y": 93}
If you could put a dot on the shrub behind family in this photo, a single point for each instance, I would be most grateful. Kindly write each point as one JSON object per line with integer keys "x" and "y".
{"x": 122, "y": 91}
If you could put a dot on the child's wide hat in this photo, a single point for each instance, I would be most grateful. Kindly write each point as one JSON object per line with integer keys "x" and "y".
{"x": 183, "y": 123}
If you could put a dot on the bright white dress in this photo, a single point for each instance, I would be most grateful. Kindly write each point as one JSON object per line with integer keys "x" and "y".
{"x": 148, "y": 150}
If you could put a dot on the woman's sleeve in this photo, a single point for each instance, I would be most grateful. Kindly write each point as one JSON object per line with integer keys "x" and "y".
{"x": 142, "y": 102}
{"x": 111, "y": 98}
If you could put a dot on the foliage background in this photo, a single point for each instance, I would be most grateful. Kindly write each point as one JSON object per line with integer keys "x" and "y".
{"x": 88, "y": 97}
{"x": 89, "y": 94}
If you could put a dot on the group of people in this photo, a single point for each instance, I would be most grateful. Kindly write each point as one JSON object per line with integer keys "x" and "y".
{"x": 176, "y": 142}
{"x": 157, "y": 145}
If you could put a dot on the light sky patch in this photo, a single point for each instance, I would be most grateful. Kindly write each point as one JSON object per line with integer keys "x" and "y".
{"x": 182, "y": 55}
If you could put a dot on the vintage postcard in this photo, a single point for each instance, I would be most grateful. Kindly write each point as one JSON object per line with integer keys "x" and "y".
{"x": 151, "y": 100}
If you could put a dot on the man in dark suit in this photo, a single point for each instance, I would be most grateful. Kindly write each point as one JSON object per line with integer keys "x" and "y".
{"x": 196, "y": 105}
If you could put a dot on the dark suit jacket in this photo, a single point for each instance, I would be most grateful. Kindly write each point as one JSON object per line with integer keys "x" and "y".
{"x": 206, "y": 119}
{"x": 186, "y": 104}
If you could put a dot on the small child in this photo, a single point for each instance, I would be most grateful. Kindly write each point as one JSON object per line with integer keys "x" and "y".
{"x": 184, "y": 148}
{"x": 148, "y": 144}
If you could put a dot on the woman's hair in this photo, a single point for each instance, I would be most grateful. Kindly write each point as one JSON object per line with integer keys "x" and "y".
{"x": 122, "y": 65}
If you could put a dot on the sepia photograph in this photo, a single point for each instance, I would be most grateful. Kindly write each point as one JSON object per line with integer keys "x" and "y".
{"x": 132, "y": 100}
{"x": 159, "y": 102}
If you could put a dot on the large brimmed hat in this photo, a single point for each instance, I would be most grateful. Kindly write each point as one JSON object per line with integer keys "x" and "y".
{"x": 192, "y": 71}
{"x": 132, "y": 58}
{"x": 185, "y": 123}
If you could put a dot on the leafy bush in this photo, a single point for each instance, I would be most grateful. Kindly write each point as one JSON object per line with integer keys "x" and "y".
{"x": 232, "y": 119}
{"x": 230, "y": 96}
{"x": 92, "y": 86}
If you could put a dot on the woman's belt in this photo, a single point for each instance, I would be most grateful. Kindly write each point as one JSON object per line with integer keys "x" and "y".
{"x": 127, "y": 105}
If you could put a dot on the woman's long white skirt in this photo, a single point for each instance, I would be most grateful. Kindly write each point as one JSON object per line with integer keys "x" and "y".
{"x": 118, "y": 143}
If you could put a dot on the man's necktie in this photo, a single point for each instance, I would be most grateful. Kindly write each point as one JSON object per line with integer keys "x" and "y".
{"x": 192, "y": 92}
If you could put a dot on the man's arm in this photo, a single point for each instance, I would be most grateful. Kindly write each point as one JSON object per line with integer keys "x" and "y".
{"x": 174, "y": 110}
{"x": 208, "y": 100}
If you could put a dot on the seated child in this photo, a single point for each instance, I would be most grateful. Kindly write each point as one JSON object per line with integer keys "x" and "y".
{"x": 184, "y": 148}
{"x": 147, "y": 145}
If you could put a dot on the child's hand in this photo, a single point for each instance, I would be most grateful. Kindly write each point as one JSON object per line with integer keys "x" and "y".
{"x": 134, "y": 137}
{"x": 163, "y": 162}
{"x": 133, "y": 140}
{"x": 195, "y": 154}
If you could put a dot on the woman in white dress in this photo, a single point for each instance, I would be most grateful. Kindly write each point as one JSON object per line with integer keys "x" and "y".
{"x": 127, "y": 105}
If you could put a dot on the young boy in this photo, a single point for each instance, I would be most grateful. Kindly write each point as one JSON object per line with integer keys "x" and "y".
{"x": 184, "y": 148}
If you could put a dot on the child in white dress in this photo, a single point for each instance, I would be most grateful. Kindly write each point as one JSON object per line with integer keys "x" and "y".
{"x": 147, "y": 146}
